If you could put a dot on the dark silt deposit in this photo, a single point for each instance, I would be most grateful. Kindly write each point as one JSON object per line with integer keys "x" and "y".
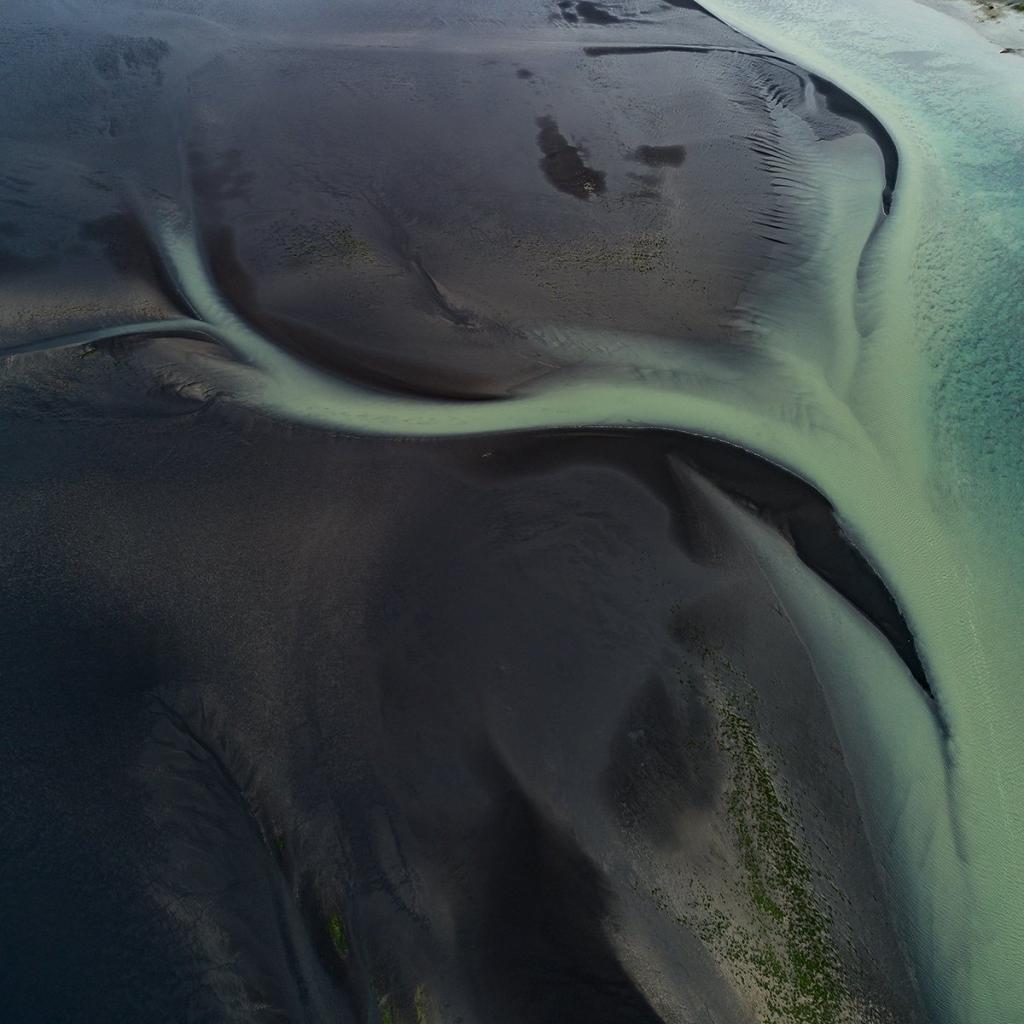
{"x": 563, "y": 164}
{"x": 309, "y": 722}
{"x": 468, "y": 698}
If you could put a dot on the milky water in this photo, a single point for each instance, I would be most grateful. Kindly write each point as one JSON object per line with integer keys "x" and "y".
{"x": 882, "y": 367}
{"x": 941, "y": 392}
{"x": 905, "y": 418}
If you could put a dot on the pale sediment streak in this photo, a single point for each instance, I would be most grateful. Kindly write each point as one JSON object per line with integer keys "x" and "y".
{"x": 793, "y": 417}
{"x": 855, "y": 417}
{"x": 950, "y": 432}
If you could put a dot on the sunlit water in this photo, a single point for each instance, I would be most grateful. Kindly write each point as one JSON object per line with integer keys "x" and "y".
{"x": 941, "y": 392}
{"x": 885, "y": 369}
{"x": 907, "y": 418}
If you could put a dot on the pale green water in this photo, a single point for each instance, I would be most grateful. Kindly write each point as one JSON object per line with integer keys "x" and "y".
{"x": 908, "y": 419}
{"x": 942, "y": 391}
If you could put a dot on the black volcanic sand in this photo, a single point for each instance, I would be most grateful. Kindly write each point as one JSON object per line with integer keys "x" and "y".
{"x": 305, "y": 727}
{"x": 429, "y": 202}
{"x": 257, "y": 676}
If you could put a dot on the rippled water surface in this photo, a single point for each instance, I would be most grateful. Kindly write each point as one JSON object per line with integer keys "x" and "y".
{"x": 511, "y": 512}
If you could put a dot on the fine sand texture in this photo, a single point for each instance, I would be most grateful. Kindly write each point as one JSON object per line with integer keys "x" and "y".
{"x": 502, "y": 519}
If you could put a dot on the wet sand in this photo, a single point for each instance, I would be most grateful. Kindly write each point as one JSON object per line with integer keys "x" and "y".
{"x": 466, "y": 697}
{"x": 433, "y": 589}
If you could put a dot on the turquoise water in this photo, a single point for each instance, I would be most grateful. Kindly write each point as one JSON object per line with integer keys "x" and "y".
{"x": 942, "y": 392}
{"x": 884, "y": 368}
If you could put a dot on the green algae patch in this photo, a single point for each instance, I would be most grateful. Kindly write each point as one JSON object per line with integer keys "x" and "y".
{"x": 793, "y": 953}
{"x": 327, "y": 243}
{"x": 770, "y": 931}
{"x": 339, "y": 938}
{"x": 768, "y": 928}
{"x": 640, "y": 254}
{"x": 420, "y": 1005}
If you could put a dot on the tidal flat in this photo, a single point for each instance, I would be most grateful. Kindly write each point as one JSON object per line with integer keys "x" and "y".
{"x": 511, "y": 512}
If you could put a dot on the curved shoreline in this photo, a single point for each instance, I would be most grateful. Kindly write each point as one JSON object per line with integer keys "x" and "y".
{"x": 868, "y": 451}
{"x": 953, "y": 138}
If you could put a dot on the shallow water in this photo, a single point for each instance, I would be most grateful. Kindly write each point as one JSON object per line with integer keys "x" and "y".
{"x": 422, "y": 224}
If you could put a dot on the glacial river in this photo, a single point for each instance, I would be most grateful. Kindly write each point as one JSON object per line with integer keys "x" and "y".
{"x": 884, "y": 366}
{"x": 908, "y": 419}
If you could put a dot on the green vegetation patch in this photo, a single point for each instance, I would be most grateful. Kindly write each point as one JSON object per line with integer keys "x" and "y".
{"x": 802, "y": 973}
{"x": 778, "y": 947}
{"x": 420, "y": 1005}
{"x": 339, "y": 939}
{"x": 640, "y": 254}
{"x": 327, "y": 243}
